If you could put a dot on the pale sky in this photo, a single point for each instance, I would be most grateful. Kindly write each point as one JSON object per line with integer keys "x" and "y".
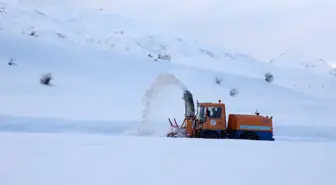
{"x": 262, "y": 28}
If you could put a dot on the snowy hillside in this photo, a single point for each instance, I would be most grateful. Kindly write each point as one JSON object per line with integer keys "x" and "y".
{"x": 94, "y": 27}
{"x": 92, "y": 83}
{"x": 95, "y": 56}
{"x": 108, "y": 79}
{"x": 294, "y": 59}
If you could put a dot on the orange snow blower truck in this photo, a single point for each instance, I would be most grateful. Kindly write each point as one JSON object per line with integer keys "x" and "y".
{"x": 209, "y": 121}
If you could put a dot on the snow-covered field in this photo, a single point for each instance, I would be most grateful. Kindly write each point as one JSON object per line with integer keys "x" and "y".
{"x": 68, "y": 159}
{"x": 102, "y": 119}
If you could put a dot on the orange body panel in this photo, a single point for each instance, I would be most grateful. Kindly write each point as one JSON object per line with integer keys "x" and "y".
{"x": 189, "y": 127}
{"x": 249, "y": 123}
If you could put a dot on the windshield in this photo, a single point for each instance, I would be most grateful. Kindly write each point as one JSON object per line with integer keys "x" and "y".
{"x": 215, "y": 112}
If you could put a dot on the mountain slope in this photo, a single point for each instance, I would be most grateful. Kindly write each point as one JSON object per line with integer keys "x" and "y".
{"x": 100, "y": 85}
{"x": 98, "y": 82}
{"x": 294, "y": 59}
{"x": 104, "y": 101}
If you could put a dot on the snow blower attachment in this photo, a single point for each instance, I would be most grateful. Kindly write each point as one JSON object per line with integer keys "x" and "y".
{"x": 209, "y": 121}
{"x": 180, "y": 130}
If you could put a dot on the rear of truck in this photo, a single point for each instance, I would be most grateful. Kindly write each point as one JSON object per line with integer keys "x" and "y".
{"x": 252, "y": 127}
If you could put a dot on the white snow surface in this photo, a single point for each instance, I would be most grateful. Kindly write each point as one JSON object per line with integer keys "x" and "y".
{"x": 104, "y": 117}
{"x": 37, "y": 159}
{"x": 294, "y": 59}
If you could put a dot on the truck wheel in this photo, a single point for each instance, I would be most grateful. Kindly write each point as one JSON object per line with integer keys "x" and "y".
{"x": 249, "y": 136}
{"x": 210, "y": 135}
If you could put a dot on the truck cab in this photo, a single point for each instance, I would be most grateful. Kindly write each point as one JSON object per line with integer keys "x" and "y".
{"x": 210, "y": 120}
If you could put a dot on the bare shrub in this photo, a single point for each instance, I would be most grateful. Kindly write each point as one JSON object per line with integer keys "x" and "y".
{"x": 46, "y": 79}
{"x": 33, "y": 34}
{"x": 269, "y": 77}
{"x": 164, "y": 57}
{"x": 234, "y": 92}
{"x": 11, "y": 62}
{"x": 218, "y": 81}
{"x": 207, "y": 52}
{"x": 61, "y": 36}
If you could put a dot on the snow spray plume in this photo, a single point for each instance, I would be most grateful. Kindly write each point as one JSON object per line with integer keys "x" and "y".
{"x": 151, "y": 95}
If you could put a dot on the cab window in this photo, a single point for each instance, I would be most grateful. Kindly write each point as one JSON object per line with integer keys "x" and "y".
{"x": 201, "y": 113}
{"x": 215, "y": 112}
